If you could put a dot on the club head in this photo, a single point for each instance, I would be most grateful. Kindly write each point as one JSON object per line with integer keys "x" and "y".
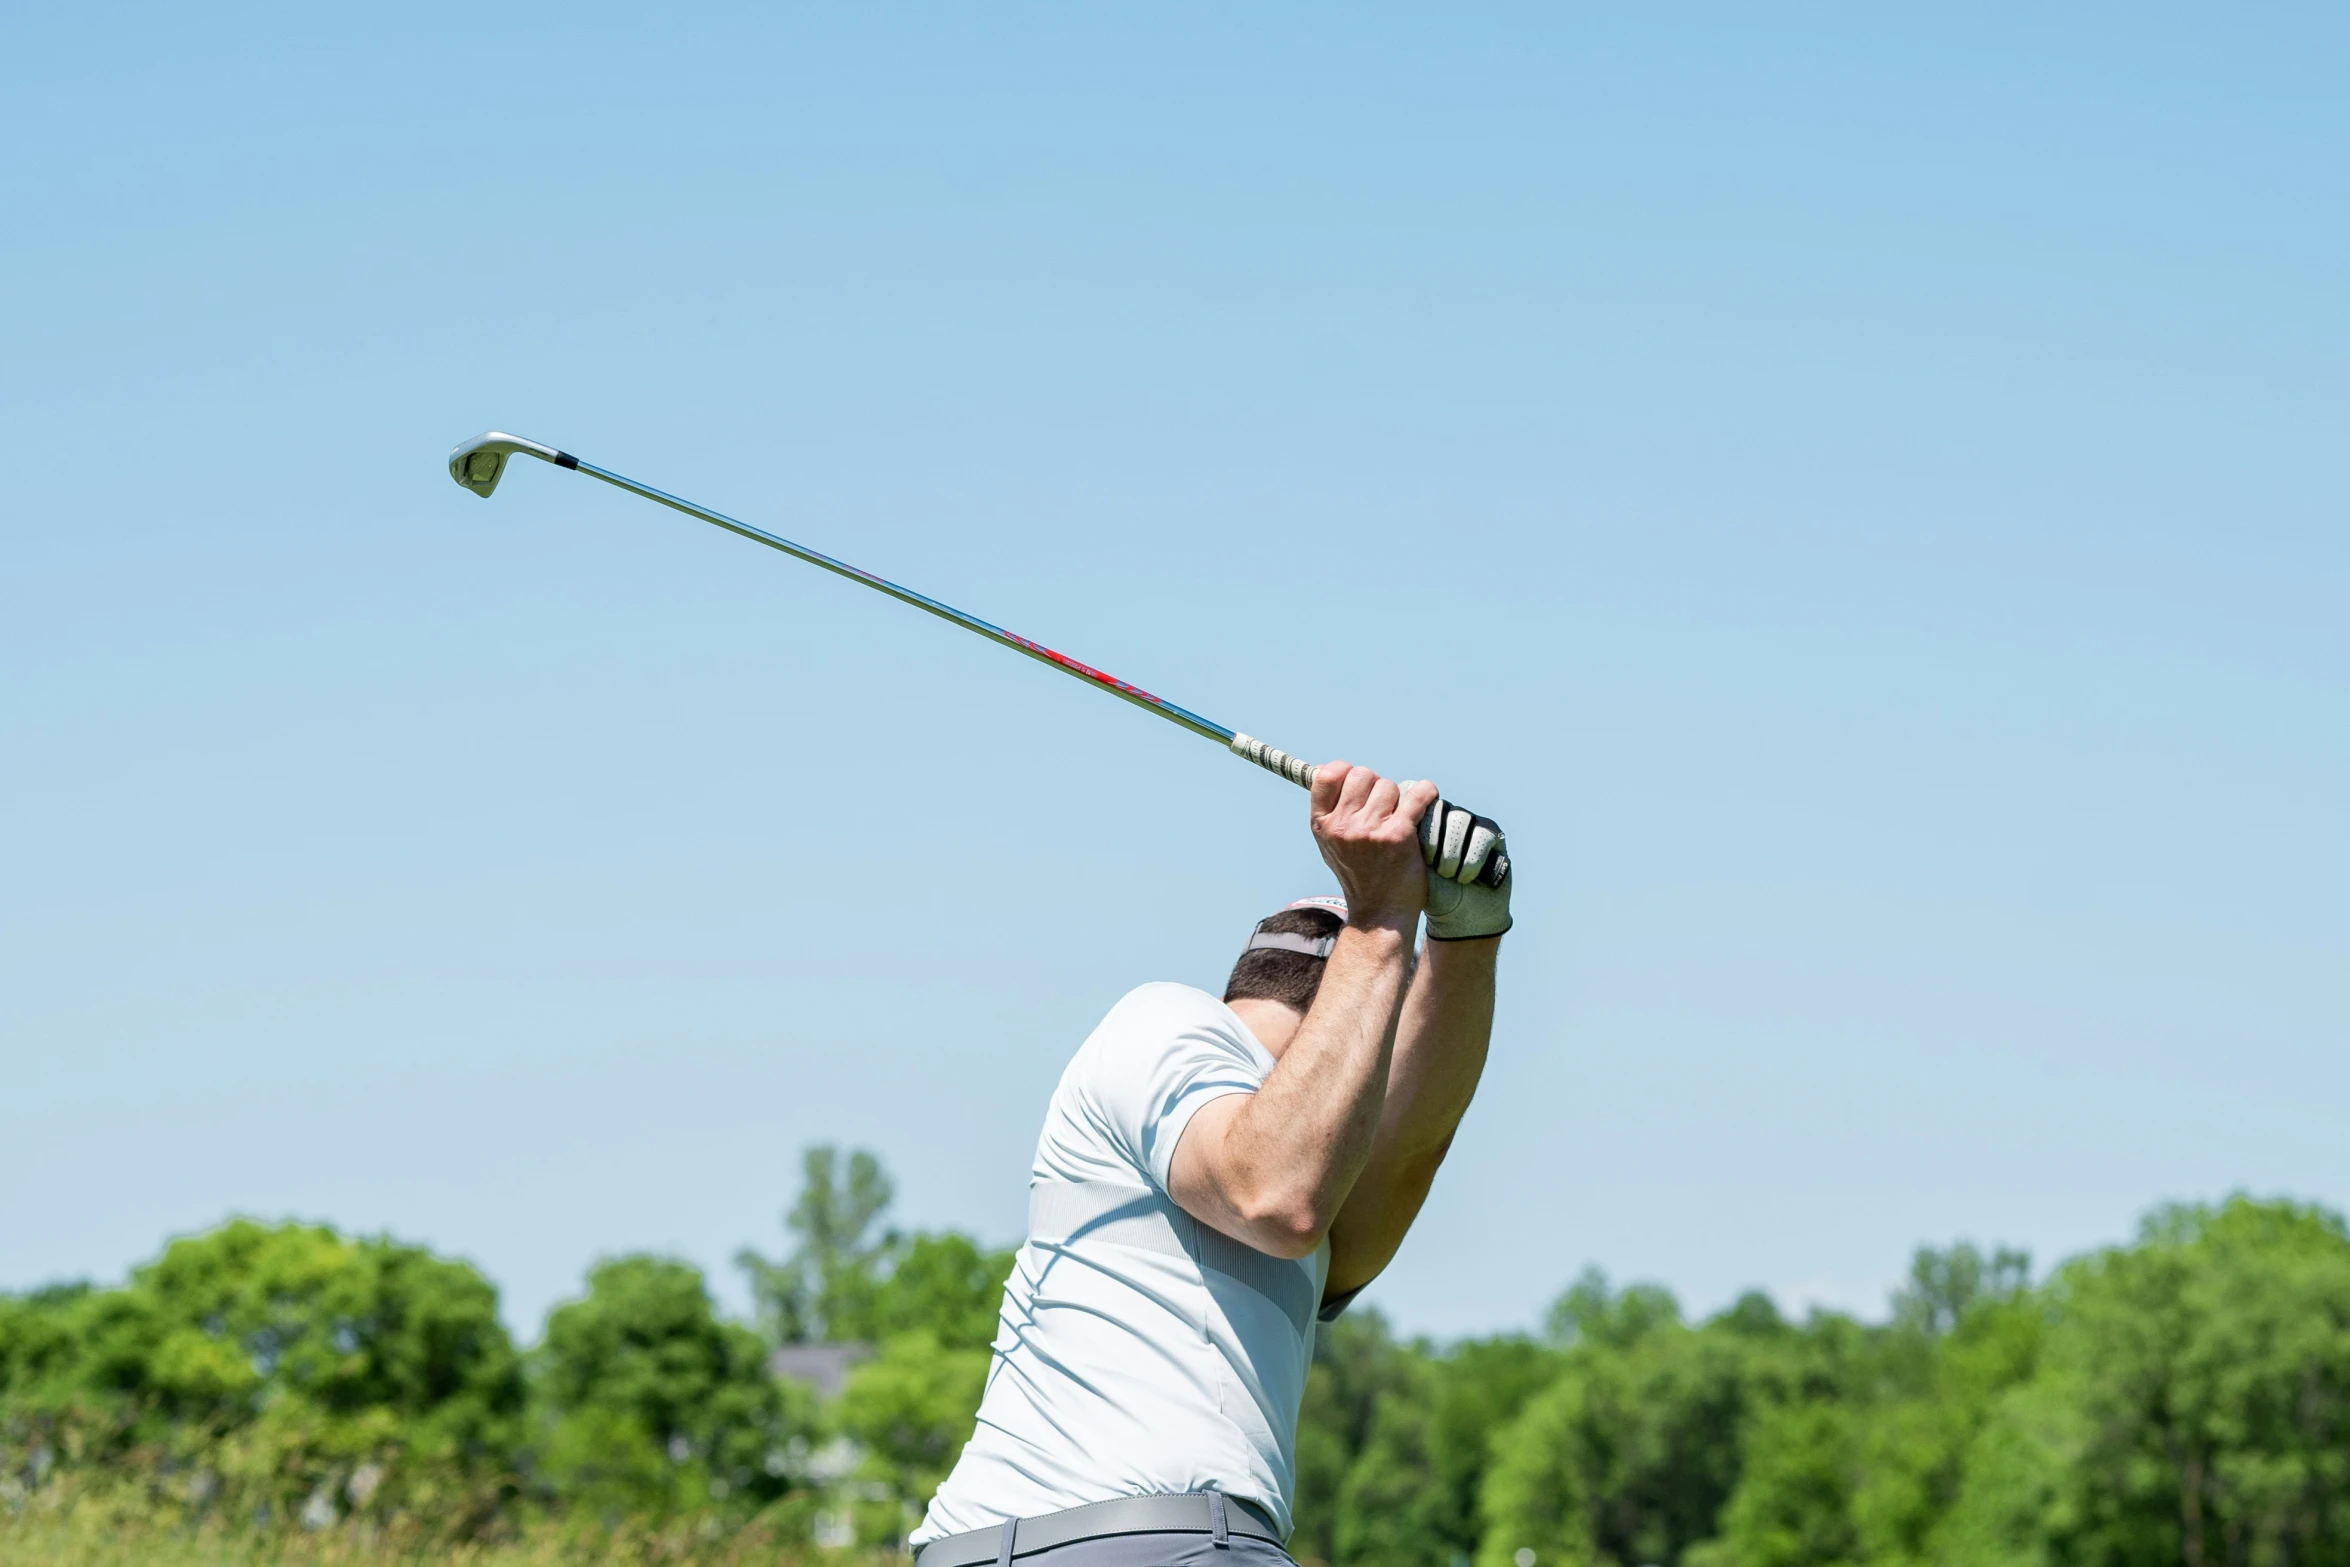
{"x": 479, "y": 464}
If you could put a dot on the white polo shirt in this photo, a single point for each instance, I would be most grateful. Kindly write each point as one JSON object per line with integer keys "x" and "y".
{"x": 1140, "y": 1353}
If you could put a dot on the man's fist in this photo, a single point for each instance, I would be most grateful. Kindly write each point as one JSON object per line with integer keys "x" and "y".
{"x": 1455, "y": 846}
{"x": 1368, "y": 830}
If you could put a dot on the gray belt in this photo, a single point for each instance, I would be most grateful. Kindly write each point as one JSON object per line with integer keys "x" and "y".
{"x": 1199, "y": 1512}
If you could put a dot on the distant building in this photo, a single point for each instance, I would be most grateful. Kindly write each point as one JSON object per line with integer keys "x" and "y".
{"x": 823, "y": 1368}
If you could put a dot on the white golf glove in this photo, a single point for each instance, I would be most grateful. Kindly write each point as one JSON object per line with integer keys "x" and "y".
{"x": 1457, "y": 844}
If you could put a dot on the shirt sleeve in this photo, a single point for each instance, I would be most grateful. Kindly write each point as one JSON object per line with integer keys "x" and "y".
{"x": 1334, "y": 1306}
{"x": 1181, "y": 1050}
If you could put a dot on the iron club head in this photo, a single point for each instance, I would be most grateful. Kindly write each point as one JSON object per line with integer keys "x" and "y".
{"x": 479, "y": 464}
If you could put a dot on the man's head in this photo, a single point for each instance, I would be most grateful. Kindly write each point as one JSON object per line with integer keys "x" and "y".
{"x": 1286, "y": 955}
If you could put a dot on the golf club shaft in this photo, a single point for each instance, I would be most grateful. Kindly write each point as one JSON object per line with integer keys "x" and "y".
{"x": 1270, "y": 758}
{"x": 1013, "y": 640}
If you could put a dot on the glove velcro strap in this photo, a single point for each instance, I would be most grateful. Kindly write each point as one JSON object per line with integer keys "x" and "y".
{"x": 1485, "y": 936}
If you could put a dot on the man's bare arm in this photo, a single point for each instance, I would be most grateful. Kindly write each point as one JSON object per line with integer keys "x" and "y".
{"x": 1273, "y": 1168}
{"x": 1439, "y": 1054}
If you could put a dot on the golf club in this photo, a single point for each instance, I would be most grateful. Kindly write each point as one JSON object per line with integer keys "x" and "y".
{"x": 479, "y": 464}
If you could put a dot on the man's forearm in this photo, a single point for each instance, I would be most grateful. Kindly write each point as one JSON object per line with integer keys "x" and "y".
{"x": 1294, "y": 1149}
{"x": 1440, "y": 1045}
{"x": 1441, "y": 1039}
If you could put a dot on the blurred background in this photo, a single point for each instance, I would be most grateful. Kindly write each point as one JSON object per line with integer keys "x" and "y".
{"x": 1859, "y": 495}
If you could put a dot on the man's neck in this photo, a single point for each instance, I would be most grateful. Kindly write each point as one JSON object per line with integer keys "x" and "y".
{"x": 1274, "y": 1023}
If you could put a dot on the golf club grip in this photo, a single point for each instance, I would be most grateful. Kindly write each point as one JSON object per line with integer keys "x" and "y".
{"x": 1275, "y": 760}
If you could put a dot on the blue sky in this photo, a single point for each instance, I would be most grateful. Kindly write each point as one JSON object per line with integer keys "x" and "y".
{"x": 1860, "y": 495}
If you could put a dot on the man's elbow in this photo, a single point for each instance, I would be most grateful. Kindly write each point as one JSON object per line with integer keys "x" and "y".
{"x": 1288, "y": 1227}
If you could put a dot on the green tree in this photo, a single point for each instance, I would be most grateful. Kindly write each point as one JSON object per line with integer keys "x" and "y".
{"x": 823, "y": 1290}
{"x": 944, "y": 1285}
{"x": 1591, "y": 1311}
{"x": 653, "y": 1405}
{"x": 1793, "y": 1502}
{"x": 1410, "y": 1496}
{"x": 1629, "y": 1455}
{"x": 1944, "y": 1286}
{"x": 1859, "y": 1455}
{"x": 1915, "y": 1443}
{"x": 911, "y": 1407}
{"x": 2192, "y": 1406}
{"x": 280, "y": 1367}
{"x": 1357, "y": 1363}
{"x": 852, "y": 1278}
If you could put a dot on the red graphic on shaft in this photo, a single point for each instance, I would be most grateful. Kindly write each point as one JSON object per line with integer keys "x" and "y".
{"x": 1087, "y": 670}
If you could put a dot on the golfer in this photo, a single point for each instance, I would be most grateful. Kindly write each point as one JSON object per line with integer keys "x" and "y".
{"x": 1214, "y": 1178}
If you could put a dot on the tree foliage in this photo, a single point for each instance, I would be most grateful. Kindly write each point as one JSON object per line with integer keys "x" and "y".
{"x": 911, "y": 1408}
{"x": 276, "y": 1369}
{"x": 821, "y": 1290}
{"x": 1630, "y": 1453}
{"x": 851, "y": 1278}
{"x": 651, "y": 1404}
{"x": 2184, "y": 1399}
{"x": 2193, "y": 1402}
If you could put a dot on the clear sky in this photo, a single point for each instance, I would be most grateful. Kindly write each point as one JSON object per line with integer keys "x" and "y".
{"x": 1860, "y": 494}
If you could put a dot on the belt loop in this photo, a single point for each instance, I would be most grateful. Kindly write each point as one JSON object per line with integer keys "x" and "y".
{"x": 1003, "y": 1549}
{"x": 1217, "y": 1529}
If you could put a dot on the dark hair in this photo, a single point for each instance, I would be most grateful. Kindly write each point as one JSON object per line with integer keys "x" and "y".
{"x": 1271, "y": 974}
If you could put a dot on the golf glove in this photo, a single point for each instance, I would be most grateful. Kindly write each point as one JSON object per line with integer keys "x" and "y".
{"x": 1456, "y": 844}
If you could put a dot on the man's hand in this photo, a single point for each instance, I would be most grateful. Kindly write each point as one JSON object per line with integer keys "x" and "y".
{"x": 1456, "y": 844}
{"x": 1368, "y": 829}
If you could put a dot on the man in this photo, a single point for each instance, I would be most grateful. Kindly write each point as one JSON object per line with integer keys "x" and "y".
{"x": 1213, "y": 1177}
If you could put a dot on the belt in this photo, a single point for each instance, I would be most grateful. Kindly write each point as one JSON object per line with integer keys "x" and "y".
{"x": 1197, "y": 1512}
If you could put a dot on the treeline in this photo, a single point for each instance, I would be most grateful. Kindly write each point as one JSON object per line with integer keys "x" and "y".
{"x": 286, "y": 1377}
{"x": 2182, "y": 1400}
{"x": 2185, "y": 1399}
